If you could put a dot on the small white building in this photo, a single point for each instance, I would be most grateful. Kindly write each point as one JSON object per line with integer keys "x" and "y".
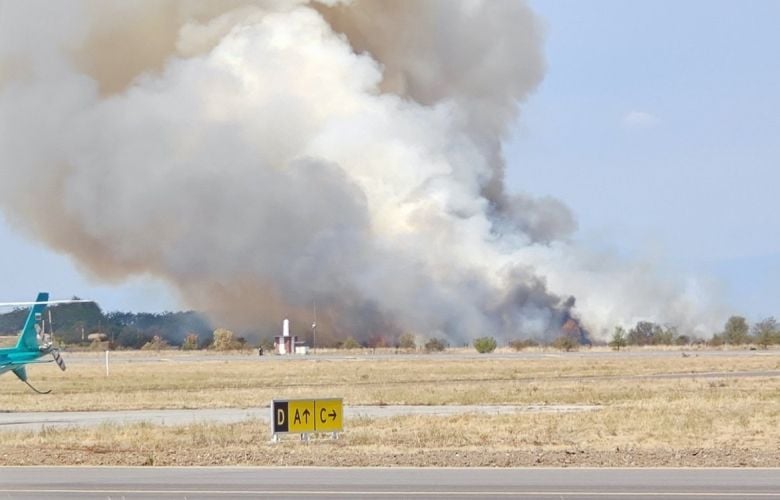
{"x": 286, "y": 343}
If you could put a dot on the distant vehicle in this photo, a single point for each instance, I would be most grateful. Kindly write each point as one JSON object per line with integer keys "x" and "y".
{"x": 33, "y": 344}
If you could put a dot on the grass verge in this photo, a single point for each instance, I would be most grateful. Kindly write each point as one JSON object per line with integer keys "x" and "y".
{"x": 646, "y": 417}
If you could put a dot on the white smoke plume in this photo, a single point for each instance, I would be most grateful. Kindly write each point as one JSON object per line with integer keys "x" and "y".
{"x": 259, "y": 156}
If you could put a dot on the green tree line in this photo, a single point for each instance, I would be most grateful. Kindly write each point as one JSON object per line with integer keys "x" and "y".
{"x": 73, "y": 323}
{"x": 736, "y": 331}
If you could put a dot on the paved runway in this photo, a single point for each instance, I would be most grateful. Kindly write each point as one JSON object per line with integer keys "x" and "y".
{"x": 219, "y": 483}
{"x": 35, "y": 421}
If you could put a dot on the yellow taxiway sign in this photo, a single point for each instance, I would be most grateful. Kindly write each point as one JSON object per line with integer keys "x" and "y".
{"x": 308, "y": 415}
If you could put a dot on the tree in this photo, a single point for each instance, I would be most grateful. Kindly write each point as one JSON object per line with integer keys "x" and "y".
{"x": 736, "y": 330}
{"x": 618, "y": 339}
{"x": 173, "y": 327}
{"x": 645, "y": 333}
{"x": 664, "y": 335}
{"x": 406, "y": 341}
{"x": 766, "y": 332}
{"x": 485, "y": 345}
{"x": 131, "y": 337}
{"x": 69, "y": 319}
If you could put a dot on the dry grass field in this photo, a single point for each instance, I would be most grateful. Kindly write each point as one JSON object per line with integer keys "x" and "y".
{"x": 646, "y": 416}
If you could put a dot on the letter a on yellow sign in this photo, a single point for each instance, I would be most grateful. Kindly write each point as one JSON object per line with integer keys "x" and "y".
{"x": 301, "y": 415}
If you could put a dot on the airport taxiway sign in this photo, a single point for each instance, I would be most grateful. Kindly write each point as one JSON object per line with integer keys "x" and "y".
{"x": 307, "y": 415}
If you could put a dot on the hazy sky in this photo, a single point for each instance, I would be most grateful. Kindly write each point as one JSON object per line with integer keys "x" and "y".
{"x": 657, "y": 124}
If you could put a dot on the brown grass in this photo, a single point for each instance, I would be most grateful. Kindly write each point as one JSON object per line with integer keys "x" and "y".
{"x": 707, "y": 430}
{"x": 642, "y": 421}
{"x": 175, "y": 381}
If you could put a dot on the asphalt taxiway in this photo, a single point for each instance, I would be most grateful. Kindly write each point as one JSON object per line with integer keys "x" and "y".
{"x": 417, "y": 483}
{"x": 36, "y": 421}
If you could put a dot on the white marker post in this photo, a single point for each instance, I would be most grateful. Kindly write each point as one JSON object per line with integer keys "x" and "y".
{"x": 106, "y": 363}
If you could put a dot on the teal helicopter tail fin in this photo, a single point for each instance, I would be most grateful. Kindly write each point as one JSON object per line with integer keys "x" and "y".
{"x": 28, "y": 340}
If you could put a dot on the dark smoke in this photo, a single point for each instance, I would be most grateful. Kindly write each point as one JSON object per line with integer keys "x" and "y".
{"x": 263, "y": 156}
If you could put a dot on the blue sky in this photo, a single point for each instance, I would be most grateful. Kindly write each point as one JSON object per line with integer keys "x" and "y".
{"x": 27, "y": 268}
{"x": 658, "y": 125}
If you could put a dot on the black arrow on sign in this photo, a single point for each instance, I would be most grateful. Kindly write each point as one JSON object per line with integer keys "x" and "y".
{"x": 332, "y": 415}
{"x": 306, "y": 415}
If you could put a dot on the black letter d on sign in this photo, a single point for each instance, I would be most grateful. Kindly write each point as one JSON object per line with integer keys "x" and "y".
{"x": 281, "y": 422}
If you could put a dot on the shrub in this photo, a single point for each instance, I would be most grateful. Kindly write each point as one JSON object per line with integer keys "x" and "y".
{"x": 190, "y": 342}
{"x": 484, "y": 345}
{"x": 683, "y": 340}
{"x": 407, "y": 342}
{"x": 378, "y": 341}
{"x": 156, "y": 344}
{"x": 519, "y": 345}
{"x": 223, "y": 340}
{"x": 565, "y": 343}
{"x": 435, "y": 345}
{"x": 350, "y": 343}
